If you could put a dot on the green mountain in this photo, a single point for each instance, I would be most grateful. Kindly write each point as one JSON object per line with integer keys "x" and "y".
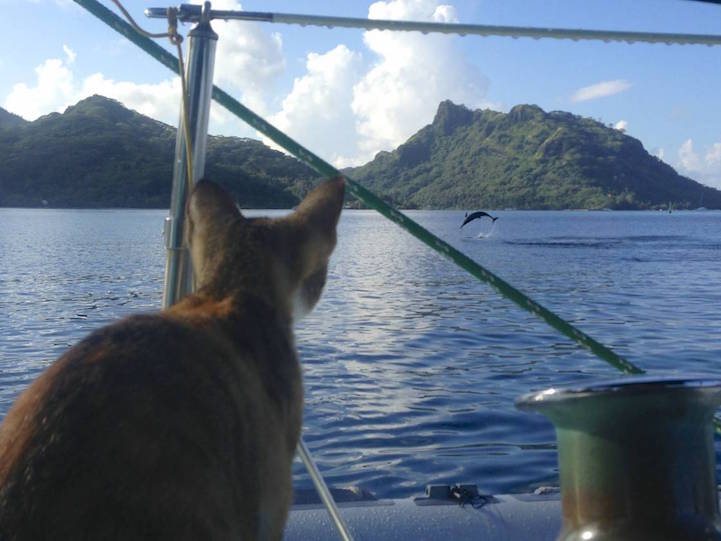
{"x": 100, "y": 154}
{"x": 9, "y": 119}
{"x": 526, "y": 159}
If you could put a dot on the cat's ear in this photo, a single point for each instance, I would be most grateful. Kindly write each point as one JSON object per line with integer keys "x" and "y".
{"x": 314, "y": 222}
{"x": 210, "y": 211}
{"x": 210, "y": 205}
{"x": 318, "y": 214}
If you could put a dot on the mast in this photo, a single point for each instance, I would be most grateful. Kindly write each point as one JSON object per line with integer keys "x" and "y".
{"x": 199, "y": 75}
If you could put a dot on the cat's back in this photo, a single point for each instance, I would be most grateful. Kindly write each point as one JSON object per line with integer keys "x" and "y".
{"x": 155, "y": 427}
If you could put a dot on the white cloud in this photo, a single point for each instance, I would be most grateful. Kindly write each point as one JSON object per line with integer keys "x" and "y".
{"x": 317, "y": 110}
{"x": 621, "y": 125}
{"x": 157, "y": 100}
{"x": 247, "y": 64}
{"x": 600, "y": 90}
{"x": 248, "y": 58}
{"x": 346, "y": 105}
{"x": 704, "y": 167}
{"x": 412, "y": 75}
{"x": 688, "y": 159}
{"x": 53, "y": 92}
{"x": 713, "y": 156}
{"x": 347, "y": 108}
{"x": 56, "y": 88}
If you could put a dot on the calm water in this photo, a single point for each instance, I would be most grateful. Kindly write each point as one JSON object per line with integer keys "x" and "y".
{"x": 411, "y": 367}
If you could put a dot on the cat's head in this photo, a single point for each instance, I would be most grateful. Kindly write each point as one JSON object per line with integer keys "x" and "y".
{"x": 282, "y": 260}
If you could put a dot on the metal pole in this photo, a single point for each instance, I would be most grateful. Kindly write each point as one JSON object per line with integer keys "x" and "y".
{"x": 325, "y": 496}
{"x": 199, "y": 75}
{"x": 178, "y": 270}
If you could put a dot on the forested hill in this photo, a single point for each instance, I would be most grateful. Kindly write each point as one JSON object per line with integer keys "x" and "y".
{"x": 100, "y": 154}
{"x": 526, "y": 159}
{"x": 10, "y": 119}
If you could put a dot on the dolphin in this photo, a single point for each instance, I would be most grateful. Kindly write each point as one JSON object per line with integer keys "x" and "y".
{"x": 477, "y": 214}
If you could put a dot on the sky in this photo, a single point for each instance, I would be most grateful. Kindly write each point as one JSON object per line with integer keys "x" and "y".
{"x": 347, "y": 94}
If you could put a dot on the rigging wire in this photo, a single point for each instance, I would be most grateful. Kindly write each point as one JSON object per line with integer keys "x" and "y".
{"x": 191, "y": 13}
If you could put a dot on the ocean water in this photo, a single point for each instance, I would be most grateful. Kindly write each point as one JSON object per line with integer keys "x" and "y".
{"x": 411, "y": 366}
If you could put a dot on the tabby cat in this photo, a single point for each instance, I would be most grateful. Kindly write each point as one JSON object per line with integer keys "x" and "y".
{"x": 180, "y": 424}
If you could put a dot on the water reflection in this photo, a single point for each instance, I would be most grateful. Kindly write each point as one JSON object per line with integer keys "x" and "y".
{"x": 411, "y": 366}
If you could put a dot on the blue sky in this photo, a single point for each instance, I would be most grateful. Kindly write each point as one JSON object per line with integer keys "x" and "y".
{"x": 347, "y": 94}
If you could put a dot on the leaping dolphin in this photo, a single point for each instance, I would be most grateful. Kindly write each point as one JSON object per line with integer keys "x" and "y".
{"x": 477, "y": 214}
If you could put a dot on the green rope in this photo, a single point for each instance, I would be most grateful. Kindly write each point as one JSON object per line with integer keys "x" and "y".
{"x": 373, "y": 201}
{"x": 368, "y": 198}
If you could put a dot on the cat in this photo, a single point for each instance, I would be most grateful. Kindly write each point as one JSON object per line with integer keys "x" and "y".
{"x": 181, "y": 424}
